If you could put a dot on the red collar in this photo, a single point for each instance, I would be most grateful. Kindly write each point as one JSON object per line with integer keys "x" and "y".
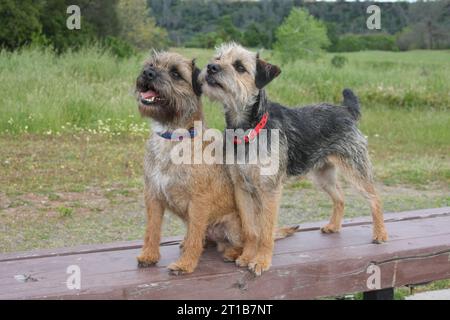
{"x": 254, "y": 132}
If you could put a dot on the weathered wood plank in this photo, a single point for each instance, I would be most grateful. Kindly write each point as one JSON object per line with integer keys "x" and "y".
{"x": 366, "y": 220}
{"x": 307, "y": 265}
{"x": 124, "y": 245}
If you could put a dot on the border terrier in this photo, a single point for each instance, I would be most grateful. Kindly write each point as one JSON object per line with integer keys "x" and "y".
{"x": 316, "y": 140}
{"x": 202, "y": 195}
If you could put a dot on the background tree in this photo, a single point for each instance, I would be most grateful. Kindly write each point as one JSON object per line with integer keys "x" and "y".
{"x": 430, "y": 27}
{"x": 300, "y": 36}
{"x": 138, "y": 27}
{"x": 102, "y": 15}
{"x": 19, "y": 22}
{"x": 189, "y": 19}
{"x": 425, "y": 24}
{"x": 332, "y": 36}
{"x": 227, "y": 31}
{"x": 44, "y": 22}
{"x": 53, "y": 17}
{"x": 254, "y": 36}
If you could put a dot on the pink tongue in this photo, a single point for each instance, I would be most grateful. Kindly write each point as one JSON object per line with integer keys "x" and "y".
{"x": 149, "y": 94}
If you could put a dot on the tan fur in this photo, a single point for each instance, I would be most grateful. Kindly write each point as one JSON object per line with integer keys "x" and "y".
{"x": 259, "y": 216}
{"x": 366, "y": 186}
{"x": 201, "y": 195}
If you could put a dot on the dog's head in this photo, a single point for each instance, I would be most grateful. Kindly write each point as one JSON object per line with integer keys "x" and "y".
{"x": 235, "y": 76}
{"x": 168, "y": 89}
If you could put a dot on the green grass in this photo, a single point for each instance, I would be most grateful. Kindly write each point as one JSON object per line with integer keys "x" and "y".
{"x": 42, "y": 92}
{"x": 65, "y": 212}
{"x": 405, "y": 100}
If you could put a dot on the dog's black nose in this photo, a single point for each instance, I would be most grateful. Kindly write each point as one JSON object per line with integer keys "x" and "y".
{"x": 213, "y": 68}
{"x": 149, "y": 73}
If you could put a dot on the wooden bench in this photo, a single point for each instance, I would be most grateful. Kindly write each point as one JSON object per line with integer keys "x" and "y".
{"x": 307, "y": 265}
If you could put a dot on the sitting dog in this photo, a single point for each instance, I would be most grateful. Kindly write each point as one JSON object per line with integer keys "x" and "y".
{"x": 314, "y": 139}
{"x": 202, "y": 195}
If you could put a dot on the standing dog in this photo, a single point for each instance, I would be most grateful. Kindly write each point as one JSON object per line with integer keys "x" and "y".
{"x": 314, "y": 139}
{"x": 200, "y": 194}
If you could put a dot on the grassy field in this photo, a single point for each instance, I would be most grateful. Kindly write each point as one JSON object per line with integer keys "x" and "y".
{"x": 72, "y": 141}
{"x": 41, "y": 92}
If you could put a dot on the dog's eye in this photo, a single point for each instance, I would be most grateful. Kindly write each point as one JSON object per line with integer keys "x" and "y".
{"x": 175, "y": 74}
{"x": 239, "y": 67}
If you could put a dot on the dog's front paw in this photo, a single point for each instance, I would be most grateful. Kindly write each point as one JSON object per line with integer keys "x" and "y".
{"x": 330, "y": 228}
{"x": 259, "y": 265}
{"x": 243, "y": 261}
{"x": 146, "y": 260}
{"x": 179, "y": 267}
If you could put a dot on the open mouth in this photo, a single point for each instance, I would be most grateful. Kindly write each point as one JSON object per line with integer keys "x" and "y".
{"x": 150, "y": 97}
{"x": 210, "y": 80}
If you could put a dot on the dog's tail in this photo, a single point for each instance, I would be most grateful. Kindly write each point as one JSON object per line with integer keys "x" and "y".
{"x": 285, "y": 232}
{"x": 351, "y": 101}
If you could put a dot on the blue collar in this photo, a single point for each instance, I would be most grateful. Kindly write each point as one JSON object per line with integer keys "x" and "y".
{"x": 169, "y": 134}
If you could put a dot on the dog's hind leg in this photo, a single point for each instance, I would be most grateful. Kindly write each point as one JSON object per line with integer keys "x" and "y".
{"x": 379, "y": 229}
{"x": 325, "y": 177}
{"x": 358, "y": 171}
{"x": 231, "y": 253}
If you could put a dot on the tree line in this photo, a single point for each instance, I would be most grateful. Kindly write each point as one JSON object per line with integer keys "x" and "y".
{"x": 128, "y": 25}
{"x": 201, "y": 23}
{"x": 119, "y": 25}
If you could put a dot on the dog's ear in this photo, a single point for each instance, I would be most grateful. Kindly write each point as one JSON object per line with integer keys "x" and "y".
{"x": 195, "y": 83}
{"x": 265, "y": 72}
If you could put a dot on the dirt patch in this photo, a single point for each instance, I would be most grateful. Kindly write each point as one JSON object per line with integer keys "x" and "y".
{"x": 116, "y": 213}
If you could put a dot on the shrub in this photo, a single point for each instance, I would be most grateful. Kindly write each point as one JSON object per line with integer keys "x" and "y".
{"x": 407, "y": 39}
{"x": 205, "y": 40}
{"x": 350, "y": 43}
{"x": 119, "y": 47}
{"x": 354, "y": 42}
{"x": 385, "y": 42}
{"x": 338, "y": 61}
